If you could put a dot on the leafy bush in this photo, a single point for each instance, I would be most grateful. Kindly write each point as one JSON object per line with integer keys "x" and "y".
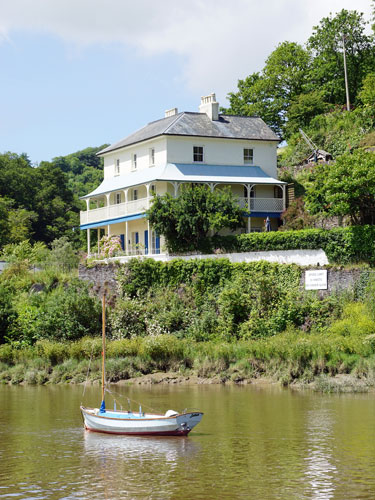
{"x": 66, "y": 313}
{"x": 127, "y": 319}
{"x": 7, "y": 313}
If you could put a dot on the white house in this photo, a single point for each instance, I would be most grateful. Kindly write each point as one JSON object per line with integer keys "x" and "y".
{"x": 201, "y": 147}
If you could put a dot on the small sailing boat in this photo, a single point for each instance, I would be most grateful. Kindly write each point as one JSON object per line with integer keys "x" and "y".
{"x": 139, "y": 423}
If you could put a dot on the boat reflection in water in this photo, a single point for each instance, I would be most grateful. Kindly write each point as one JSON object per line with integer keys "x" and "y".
{"x": 136, "y": 447}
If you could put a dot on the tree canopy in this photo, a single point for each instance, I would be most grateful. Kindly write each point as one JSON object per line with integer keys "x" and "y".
{"x": 187, "y": 221}
{"x": 345, "y": 188}
{"x": 299, "y": 82}
{"x": 36, "y": 201}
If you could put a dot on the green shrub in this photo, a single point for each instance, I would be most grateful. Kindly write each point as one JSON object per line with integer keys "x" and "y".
{"x": 53, "y": 351}
{"x": 127, "y": 319}
{"x": 67, "y": 312}
{"x": 343, "y": 245}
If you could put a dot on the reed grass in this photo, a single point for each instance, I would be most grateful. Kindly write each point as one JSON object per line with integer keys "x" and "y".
{"x": 290, "y": 357}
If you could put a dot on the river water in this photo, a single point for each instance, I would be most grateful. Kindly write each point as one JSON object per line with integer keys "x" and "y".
{"x": 254, "y": 442}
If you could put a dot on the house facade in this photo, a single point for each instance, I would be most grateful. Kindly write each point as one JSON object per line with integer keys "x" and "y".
{"x": 188, "y": 147}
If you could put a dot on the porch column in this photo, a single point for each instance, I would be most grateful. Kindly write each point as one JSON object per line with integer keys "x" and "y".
{"x": 87, "y": 209}
{"x": 248, "y": 188}
{"x": 149, "y": 237}
{"x": 148, "y": 194}
{"x": 88, "y": 243}
{"x": 126, "y": 199}
{"x": 98, "y": 240}
{"x": 175, "y": 185}
{"x": 108, "y": 230}
{"x": 107, "y": 198}
{"x": 283, "y": 187}
{"x": 127, "y": 237}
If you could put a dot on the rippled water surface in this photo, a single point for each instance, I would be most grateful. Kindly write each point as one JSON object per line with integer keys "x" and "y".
{"x": 253, "y": 442}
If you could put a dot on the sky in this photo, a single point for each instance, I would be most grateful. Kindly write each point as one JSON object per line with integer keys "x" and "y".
{"x": 79, "y": 73}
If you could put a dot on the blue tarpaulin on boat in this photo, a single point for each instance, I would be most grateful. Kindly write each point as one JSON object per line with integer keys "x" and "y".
{"x": 102, "y": 407}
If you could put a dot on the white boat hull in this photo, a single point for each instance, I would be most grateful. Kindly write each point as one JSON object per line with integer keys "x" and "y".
{"x": 118, "y": 422}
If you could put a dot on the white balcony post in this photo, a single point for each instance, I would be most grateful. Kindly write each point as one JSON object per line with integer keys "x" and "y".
{"x": 126, "y": 199}
{"x": 127, "y": 237}
{"x": 248, "y": 189}
{"x": 108, "y": 230}
{"x": 149, "y": 237}
{"x": 148, "y": 194}
{"x": 87, "y": 209}
{"x": 88, "y": 243}
{"x": 175, "y": 185}
{"x": 283, "y": 187}
{"x": 98, "y": 240}
{"x": 107, "y": 198}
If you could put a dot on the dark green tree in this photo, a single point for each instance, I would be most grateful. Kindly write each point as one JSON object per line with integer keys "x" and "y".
{"x": 187, "y": 221}
{"x": 268, "y": 94}
{"x": 303, "y": 108}
{"x": 345, "y": 188}
{"x": 55, "y": 204}
{"x": 326, "y": 44}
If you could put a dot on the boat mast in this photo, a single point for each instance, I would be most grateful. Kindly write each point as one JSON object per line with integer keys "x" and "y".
{"x": 102, "y": 408}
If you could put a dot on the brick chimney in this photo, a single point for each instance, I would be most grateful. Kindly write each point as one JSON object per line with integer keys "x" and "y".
{"x": 210, "y": 106}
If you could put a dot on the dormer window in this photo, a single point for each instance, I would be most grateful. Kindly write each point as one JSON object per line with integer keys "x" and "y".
{"x": 248, "y": 156}
{"x": 152, "y": 157}
{"x": 117, "y": 167}
{"x": 198, "y": 153}
{"x": 134, "y": 161}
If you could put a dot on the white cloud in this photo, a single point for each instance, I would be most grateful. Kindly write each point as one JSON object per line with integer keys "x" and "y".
{"x": 219, "y": 40}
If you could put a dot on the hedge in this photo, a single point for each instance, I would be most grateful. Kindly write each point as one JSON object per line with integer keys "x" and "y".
{"x": 343, "y": 245}
{"x": 138, "y": 276}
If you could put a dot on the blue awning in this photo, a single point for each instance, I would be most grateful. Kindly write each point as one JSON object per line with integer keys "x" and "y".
{"x": 112, "y": 221}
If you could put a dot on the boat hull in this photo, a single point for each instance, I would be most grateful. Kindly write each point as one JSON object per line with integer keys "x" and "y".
{"x": 145, "y": 425}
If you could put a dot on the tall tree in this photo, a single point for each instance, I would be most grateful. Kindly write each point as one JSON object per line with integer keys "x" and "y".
{"x": 55, "y": 204}
{"x": 326, "y": 44}
{"x": 269, "y": 93}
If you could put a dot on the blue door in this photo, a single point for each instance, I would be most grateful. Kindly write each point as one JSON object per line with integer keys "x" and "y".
{"x": 157, "y": 244}
{"x": 122, "y": 238}
{"x": 146, "y": 242}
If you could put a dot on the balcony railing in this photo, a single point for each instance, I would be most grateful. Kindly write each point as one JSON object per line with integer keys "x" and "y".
{"x": 141, "y": 205}
{"x": 263, "y": 204}
{"x": 114, "y": 211}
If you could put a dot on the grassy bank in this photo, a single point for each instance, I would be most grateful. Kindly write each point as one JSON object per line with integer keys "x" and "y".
{"x": 286, "y": 358}
{"x": 204, "y": 318}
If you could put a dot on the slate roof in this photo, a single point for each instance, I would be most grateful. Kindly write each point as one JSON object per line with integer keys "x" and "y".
{"x": 199, "y": 124}
{"x": 186, "y": 172}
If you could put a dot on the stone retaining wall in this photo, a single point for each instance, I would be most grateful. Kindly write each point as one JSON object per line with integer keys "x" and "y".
{"x": 103, "y": 277}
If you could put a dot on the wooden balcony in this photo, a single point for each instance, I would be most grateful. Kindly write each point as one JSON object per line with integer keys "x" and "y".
{"x": 115, "y": 211}
{"x": 139, "y": 206}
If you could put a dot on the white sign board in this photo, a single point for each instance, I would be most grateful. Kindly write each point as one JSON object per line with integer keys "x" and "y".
{"x": 316, "y": 280}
